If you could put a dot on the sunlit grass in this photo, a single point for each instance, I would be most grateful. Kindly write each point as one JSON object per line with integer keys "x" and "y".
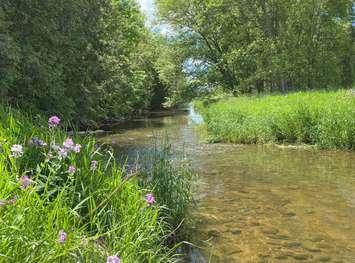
{"x": 102, "y": 212}
{"x": 325, "y": 119}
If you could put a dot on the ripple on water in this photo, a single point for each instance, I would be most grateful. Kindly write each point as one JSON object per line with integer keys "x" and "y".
{"x": 261, "y": 204}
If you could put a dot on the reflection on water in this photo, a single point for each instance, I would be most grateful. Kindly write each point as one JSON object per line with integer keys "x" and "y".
{"x": 259, "y": 203}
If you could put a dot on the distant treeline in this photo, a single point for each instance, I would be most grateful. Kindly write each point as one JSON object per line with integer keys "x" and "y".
{"x": 265, "y": 45}
{"x": 84, "y": 60}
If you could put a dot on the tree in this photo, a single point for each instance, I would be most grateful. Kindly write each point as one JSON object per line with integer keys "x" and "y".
{"x": 250, "y": 46}
{"x": 88, "y": 61}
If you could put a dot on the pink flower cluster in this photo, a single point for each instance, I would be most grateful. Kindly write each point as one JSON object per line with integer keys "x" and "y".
{"x": 62, "y": 237}
{"x": 149, "y": 199}
{"x": 53, "y": 121}
{"x": 113, "y": 259}
{"x": 71, "y": 169}
{"x": 68, "y": 147}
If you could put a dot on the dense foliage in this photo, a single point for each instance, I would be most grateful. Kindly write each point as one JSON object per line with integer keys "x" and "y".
{"x": 65, "y": 200}
{"x": 325, "y": 119}
{"x": 248, "y": 46}
{"x": 84, "y": 60}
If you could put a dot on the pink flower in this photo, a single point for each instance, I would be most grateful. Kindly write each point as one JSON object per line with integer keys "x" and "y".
{"x": 62, "y": 237}
{"x": 71, "y": 169}
{"x": 25, "y": 181}
{"x": 113, "y": 259}
{"x": 53, "y": 121}
{"x": 63, "y": 153}
{"x": 77, "y": 148}
{"x": 149, "y": 199}
{"x": 68, "y": 144}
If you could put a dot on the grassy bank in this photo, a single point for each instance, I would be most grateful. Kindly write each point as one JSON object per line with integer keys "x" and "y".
{"x": 65, "y": 199}
{"x": 325, "y": 119}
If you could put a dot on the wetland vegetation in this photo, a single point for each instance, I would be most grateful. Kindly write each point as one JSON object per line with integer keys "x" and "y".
{"x": 82, "y": 180}
{"x": 324, "y": 119}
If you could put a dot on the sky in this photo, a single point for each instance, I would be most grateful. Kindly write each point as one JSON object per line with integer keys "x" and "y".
{"x": 148, "y": 8}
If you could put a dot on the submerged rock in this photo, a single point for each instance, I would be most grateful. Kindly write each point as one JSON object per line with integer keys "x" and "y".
{"x": 307, "y": 245}
{"x": 322, "y": 258}
{"x": 292, "y": 244}
{"x": 214, "y": 233}
{"x": 236, "y": 231}
{"x": 269, "y": 230}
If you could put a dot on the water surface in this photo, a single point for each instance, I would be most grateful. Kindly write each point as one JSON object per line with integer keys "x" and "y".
{"x": 258, "y": 203}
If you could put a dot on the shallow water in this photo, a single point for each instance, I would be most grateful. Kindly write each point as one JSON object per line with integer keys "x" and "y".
{"x": 258, "y": 203}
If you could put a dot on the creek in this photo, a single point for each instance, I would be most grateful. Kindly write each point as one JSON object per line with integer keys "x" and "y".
{"x": 257, "y": 203}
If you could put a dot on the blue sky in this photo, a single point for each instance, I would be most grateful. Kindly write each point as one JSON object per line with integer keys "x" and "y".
{"x": 148, "y": 8}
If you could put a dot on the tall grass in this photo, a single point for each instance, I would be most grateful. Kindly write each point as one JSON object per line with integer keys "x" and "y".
{"x": 102, "y": 212}
{"x": 325, "y": 119}
{"x": 167, "y": 170}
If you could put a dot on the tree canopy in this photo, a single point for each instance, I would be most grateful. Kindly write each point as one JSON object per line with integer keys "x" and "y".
{"x": 91, "y": 61}
{"x": 246, "y": 46}
{"x": 87, "y": 60}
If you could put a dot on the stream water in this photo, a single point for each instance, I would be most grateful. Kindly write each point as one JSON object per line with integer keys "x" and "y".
{"x": 258, "y": 203}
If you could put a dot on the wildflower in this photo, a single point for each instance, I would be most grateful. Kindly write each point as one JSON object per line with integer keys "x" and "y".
{"x": 149, "y": 199}
{"x": 36, "y": 142}
{"x": 71, "y": 169}
{"x": 16, "y": 150}
{"x": 68, "y": 144}
{"x": 113, "y": 259}
{"x": 77, "y": 148}
{"x": 63, "y": 153}
{"x": 25, "y": 181}
{"x": 93, "y": 165}
{"x": 62, "y": 237}
{"x": 53, "y": 121}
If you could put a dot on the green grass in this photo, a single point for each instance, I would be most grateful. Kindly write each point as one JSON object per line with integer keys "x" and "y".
{"x": 168, "y": 172}
{"x": 102, "y": 211}
{"x": 324, "y": 119}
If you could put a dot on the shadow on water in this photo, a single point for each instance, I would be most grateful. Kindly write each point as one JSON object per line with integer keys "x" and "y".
{"x": 258, "y": 203}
